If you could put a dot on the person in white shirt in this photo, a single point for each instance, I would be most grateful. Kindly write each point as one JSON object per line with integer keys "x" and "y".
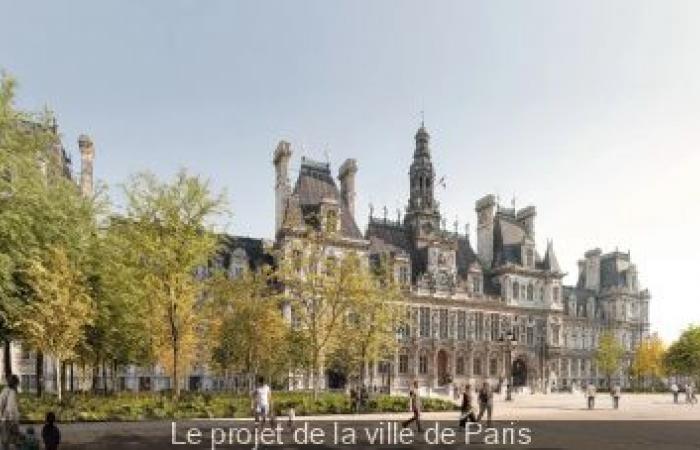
{"x": 9, "y": 413}
{"x": 261, "y": 400}
{"x": 674, "y": 390}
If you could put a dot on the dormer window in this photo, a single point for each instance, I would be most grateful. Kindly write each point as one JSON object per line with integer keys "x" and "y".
{"x": 516, "y": 290}
{"x": 331, "y": 221}
{"x": 530, "y": 258}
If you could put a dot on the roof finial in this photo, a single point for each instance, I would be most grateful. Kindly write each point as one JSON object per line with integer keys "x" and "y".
{"x": 371, "y": 210}
{"x": 512, "y": 202}
{"x": 386, "y": 212}
{"x": 422, "y": 118}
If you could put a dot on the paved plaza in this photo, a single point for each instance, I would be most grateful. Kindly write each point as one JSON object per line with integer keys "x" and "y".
{"x": 557, "y": 420}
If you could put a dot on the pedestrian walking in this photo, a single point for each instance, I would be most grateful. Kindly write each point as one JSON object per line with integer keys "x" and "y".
{"x": 692, "y": 399}
{"x": 9, "y": 414}
{"x": 674, "y": 390}
{"x": 261, "y": 401}
{"x": 485, "y": 402}
{"x": 686, "y": 388}
{"x": 615, "y": 393}
{"x": 50, "y": 434}
{"x": 590, "y": 395}
{"x": 414, "y": 406}
{"x": 467, "y": 408}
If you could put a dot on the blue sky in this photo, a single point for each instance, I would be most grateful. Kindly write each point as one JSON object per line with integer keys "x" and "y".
{"x": 589, "y": 110}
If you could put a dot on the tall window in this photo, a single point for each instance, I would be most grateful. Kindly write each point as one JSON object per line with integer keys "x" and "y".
{"x": 403, "y": 363}
{"x": 443, "y": 324}
{"x": 403, "y": 275}
{"x": 477, "y": 366}
{"x": 423, "y": 364}
{"x": 479, "y": 326}
{"x": 461, "y": 325}
{"x": 555, "y": 294}
{"x": 459, "y": 369}
{"x": 495, "y": 326}
{"x": 493, "y": 367}
{"x": 530, "y": 258}
{"x": 516, "y": 290}
{"x": 530, "y": 336}
{"x": 424, "y": 321}
{"x": 331, "y": 220}
{"x": 530, "y": 292}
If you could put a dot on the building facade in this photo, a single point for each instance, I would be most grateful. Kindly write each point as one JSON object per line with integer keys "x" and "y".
{"x": 495, "y": 311}
{"x": 485, "y": 307}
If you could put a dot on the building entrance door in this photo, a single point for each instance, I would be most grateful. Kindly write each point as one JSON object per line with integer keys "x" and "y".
{"x": 519, "y": 372}
{"x": 442, "y": 373}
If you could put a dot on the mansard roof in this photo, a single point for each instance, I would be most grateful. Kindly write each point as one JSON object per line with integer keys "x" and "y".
{"x": 508, "y": 238}
{"x": 392, "y": 236}
{"x": 315, "y": 185}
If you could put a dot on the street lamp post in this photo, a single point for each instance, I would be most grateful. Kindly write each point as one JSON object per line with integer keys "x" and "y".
{"x": 510, "y": 341}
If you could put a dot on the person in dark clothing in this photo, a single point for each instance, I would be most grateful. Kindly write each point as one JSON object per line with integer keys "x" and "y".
{"x": 467, "y": 407}
{"x": 415, "y": 407}
{"x": 50, "y": 433}
{"x": 485, "y": 402}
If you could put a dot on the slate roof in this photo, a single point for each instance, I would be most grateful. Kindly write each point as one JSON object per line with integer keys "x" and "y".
{"x": 465, "y": 256}
{"x": 550, "y": 261}
{"x": 314, "y": 184}
{"x": 610, "y": 276}
{"x": 508, "y": 236}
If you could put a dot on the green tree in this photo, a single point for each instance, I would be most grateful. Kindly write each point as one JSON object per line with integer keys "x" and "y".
{"x": 683, "y": 356}
{"x": 249, "y": 330}
{"x": 609, "y": 355}
{"x": 118, "y": 335}
{"x": 369, "y": 333}
{"x": 54, "y": 321}
{"x": 321, "y": 290}
{"x": 171, "y": 239}
{"x": 649, "y": 359}
{"x": 40, "y": 208}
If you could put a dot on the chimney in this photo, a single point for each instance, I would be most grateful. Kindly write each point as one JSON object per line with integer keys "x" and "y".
{"x": 280, "y": 159}
{"x": 526, "y": 217}
{"x": 593, "y": 269}
{"x": 346, "y": 175}
{"x": 87, "y": 157}
{"x": 485, "y": 208}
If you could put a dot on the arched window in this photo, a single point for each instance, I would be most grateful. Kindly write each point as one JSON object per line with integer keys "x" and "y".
{"x": 530, "y": 292}
{"x": 516, "y": 290}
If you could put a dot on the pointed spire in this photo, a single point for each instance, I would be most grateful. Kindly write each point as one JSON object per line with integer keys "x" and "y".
{"x": 550, "y": 259}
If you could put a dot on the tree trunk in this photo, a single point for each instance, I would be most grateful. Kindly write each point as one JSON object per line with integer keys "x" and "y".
{"x": 39, "y": 369}
{"x": 95, "y": 371}
{"x": 176, "y": 387}
{"x": 104, "y": 377}
{"x": 70, "y": 384}
{"x": 7, "y": 358}
{"x": 59, "y": 381}
{"x": 64, "y": 377}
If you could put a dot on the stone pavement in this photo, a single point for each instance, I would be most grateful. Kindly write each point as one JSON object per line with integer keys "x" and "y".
{"x": 555, "y": 421}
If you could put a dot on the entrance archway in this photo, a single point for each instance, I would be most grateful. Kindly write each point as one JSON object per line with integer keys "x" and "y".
{"x": 519, "y": 372}
{"x": 442, "y": 373}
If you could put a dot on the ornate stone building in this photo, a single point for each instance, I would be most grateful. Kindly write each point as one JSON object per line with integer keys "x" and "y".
{"x": 498, "y": 311}
{"x": 485, "y": 312}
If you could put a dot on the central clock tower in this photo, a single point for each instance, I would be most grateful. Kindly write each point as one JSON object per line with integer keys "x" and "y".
{"x": 422, "y": 213}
